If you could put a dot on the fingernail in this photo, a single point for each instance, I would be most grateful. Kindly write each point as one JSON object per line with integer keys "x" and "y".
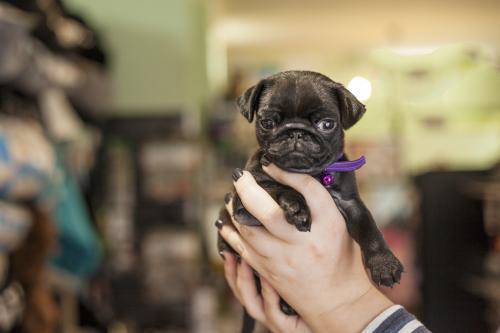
{"x": 221, "y": 253}
{"x": 264, "y": 160}
{"x": 228, "y": 197}
{"x": 237, "y": 173}
{"x": 218, "y": 224}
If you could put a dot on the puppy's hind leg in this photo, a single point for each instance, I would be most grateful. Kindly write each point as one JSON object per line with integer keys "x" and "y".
{"x": 241, "y": 215}
{"x": 224, "y": 219}
{"x": 287, "y": 309}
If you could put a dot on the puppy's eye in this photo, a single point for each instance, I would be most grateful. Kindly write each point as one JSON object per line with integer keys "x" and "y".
{"x": 325, "y": 124}
{"x": 267, "y": 123}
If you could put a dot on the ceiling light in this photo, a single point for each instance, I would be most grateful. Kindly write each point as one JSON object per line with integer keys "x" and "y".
{"x": 360, "y": 87}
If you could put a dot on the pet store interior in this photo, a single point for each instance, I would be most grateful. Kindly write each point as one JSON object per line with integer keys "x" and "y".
{"x": 119, "y": 133}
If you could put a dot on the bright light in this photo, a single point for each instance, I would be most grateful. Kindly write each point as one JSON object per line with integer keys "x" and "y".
{"x": 360, "y": 87}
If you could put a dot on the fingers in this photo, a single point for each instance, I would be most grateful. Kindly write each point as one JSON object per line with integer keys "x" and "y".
{"x": 271, "y": 301}
{"x": 246, "y": 252}
{"x": 230, "y": 273}
{"x": 250, "y": 298}
{"x": 257, "y": 237}
{"x": 277, "y": 320}
{"x": 262, "y": 206}
{"x": 242, "y": 283}
{"x": 263, "y": 308}
{"x": 317, "y": 197}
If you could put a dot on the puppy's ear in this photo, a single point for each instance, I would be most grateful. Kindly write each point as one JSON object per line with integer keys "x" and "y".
{"x": 249, "y": 101}
{"x": 351, "y": 110}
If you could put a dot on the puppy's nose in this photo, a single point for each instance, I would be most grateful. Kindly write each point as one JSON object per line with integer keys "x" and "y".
{"x": 296, "y": 135}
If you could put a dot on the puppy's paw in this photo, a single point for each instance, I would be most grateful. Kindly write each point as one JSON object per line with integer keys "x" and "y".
{"x": 296, "y": 210}
{"x": 287, "y": 309}
{"x": 241, "y": 215}
{"x": 385, "y": 268}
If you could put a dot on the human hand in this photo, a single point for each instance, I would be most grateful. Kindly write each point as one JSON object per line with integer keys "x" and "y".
{"x": 319, "y": 273}
{"x": 263, "y": 306}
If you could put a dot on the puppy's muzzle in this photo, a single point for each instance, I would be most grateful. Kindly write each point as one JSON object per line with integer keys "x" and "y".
{"x": 298, "y": 135}
{"x": 297, "y": 138}
{"x": 296, "y": 131}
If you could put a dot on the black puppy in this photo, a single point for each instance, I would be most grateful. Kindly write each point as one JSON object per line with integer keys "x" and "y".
{"x": 300, "y": 121}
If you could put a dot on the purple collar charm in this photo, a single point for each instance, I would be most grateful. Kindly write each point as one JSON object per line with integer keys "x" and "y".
{"x": 343, "y": 166}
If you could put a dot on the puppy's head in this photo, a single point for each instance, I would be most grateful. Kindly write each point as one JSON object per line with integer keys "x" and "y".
{"x": 300, "y": 118}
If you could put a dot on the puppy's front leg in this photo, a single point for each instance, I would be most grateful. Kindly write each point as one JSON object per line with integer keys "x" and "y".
{"x": 295, "y": 208}
{"x": 292, "y": 202}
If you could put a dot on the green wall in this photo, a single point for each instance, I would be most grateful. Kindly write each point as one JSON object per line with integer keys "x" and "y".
{"x": 157, "y": 49}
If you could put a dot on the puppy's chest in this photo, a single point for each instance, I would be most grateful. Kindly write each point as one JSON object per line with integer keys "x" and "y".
{"x": 343, "y": 186}
{"x": 342, "y": 189}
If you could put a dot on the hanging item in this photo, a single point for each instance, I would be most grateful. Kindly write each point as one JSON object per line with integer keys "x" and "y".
{"x": 11, "y": 306}
{"x": 26, "y": 159}
{"x": 15, "y": 222}
{"x": 79, "y": 248}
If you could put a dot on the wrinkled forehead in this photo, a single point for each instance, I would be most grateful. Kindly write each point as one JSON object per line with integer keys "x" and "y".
{"x": 297, "y": 95}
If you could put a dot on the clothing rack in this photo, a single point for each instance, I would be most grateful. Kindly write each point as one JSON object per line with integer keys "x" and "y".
{"x": 54, "y": 77}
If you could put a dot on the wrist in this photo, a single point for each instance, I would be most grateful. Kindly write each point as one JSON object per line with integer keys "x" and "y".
{"x": 353, "y": 315}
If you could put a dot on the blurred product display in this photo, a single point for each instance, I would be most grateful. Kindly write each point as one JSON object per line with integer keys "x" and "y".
{"x": 52, "y": 70}
{"x": 487, "y": 285}
{"x": 453, "y": 246}
{"x": 148, "y": 185}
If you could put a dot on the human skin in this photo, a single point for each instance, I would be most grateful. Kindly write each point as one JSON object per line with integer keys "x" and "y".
{"x": 319, "y": 273}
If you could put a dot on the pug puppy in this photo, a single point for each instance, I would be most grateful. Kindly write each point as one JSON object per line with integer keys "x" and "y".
{"x": 300, "y": 118}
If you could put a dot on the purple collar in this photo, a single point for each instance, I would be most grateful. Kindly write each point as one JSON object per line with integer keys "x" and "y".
{"x": 340, "y": 166}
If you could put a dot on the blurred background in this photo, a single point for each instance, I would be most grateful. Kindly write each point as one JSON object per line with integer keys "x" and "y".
{"x": 119, "y": 132}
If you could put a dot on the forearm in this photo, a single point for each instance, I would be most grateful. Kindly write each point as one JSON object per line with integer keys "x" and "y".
{"x": 371, "y": 313}
{"x": 350, "y": 317}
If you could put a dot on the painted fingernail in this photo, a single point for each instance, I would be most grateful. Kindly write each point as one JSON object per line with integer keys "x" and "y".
{"x": 228, "y": 197}
{"x": 221, "y": 253}
{"x": 237, "y": 173}
{"x": 218, "y": 224}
